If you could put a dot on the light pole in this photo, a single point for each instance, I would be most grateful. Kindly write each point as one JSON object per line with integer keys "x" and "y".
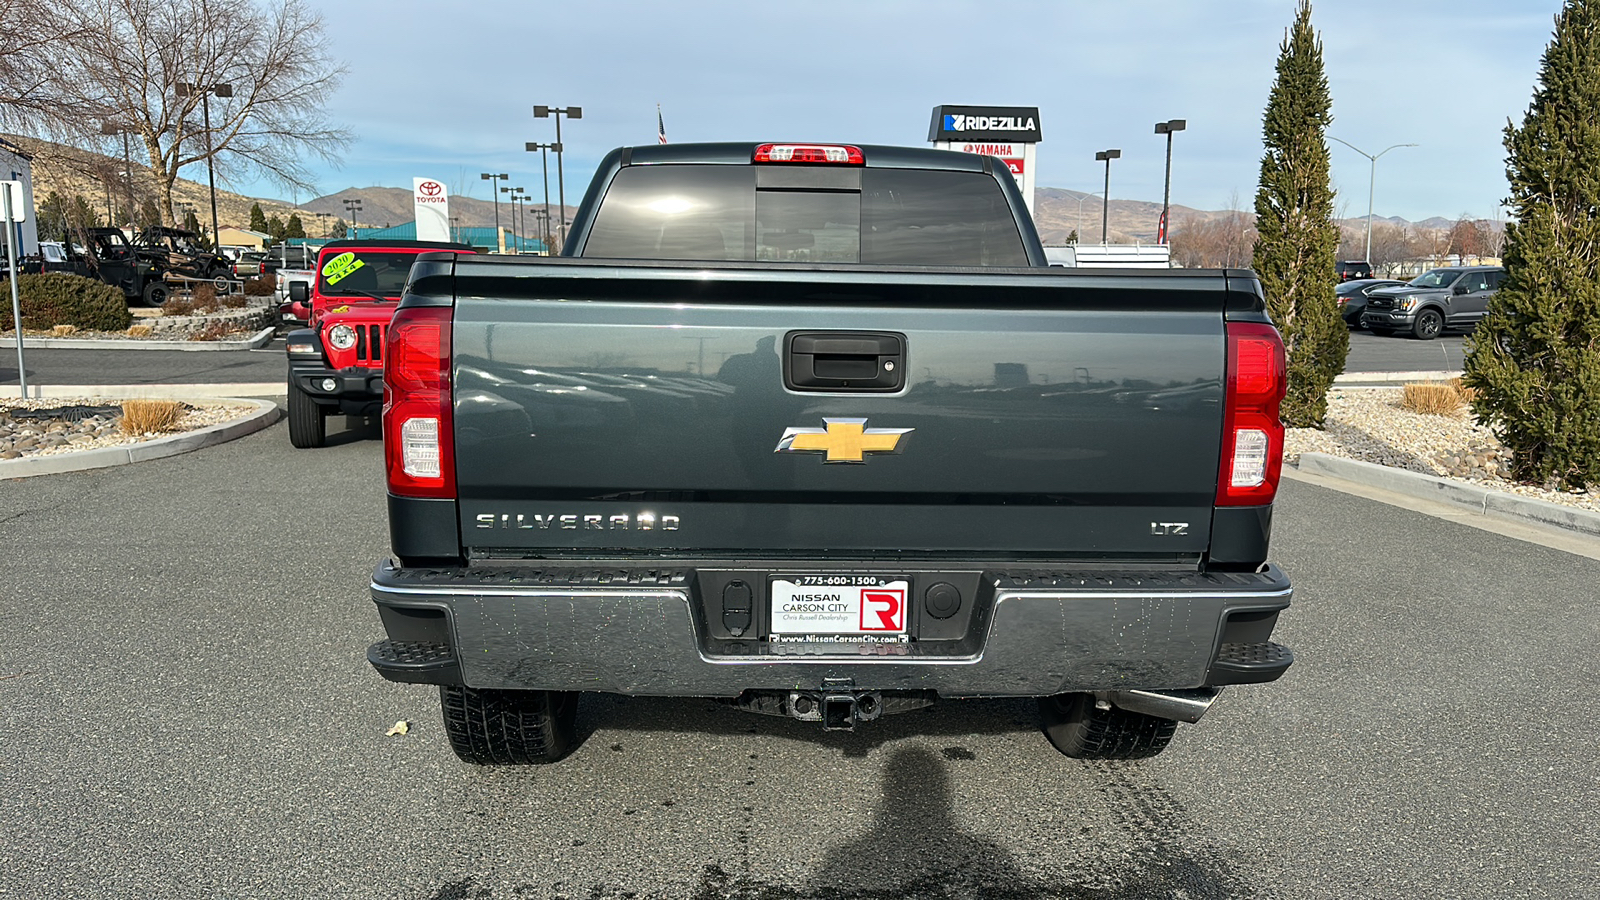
{"x": 352, "y": 205}
{"x": 1086, "y": 196}
{"x": 517, "y": 230}
{"x": 205, "y": 91}
{"x": 542, "y": 216}
{"x": 494, "y": 182}
{"x": 1167, "y": 128}
{"x": 112, "y": 128}
{"x": 1372, "y": 178}
{"x": 571, "y": 112}
{"x": 519, "y": 197}
{"x": 544, "y": 166}
{"x": 1106, "y": 156}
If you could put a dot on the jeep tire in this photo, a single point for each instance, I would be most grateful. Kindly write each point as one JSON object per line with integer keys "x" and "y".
{"x": 1079, "y": 728}
{"x": 308, "y": 422}
{"x": 155, "y": 293}
{"x": 509, "y": 728}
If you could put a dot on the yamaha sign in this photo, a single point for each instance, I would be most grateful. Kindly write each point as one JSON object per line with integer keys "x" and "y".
{"x": 1008, "y": 133}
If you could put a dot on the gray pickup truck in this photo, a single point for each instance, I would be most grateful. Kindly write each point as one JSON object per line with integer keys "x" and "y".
{"x": 814, "y": 430}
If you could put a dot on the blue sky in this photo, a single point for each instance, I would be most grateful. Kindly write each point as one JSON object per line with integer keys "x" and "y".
{"x": 450, "y": 94}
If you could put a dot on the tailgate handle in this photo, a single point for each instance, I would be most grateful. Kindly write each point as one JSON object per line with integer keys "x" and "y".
{"x": 851, "y": 361}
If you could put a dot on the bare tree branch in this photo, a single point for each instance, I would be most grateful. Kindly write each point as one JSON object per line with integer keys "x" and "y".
{"x": 130, "y": 57}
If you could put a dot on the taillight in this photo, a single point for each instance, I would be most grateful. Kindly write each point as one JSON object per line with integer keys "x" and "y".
{"x": 418, "y": 441}
{"x": 809, "y": 153}
{"x": 1252, "y": 436}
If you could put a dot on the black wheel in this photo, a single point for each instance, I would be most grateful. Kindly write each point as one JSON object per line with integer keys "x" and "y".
{"x": 509, "y": 728}
{"x": 1428, "y": 325}
{"x": 155, "y": 293}
{"x": 308, "y": 423}
{"x": 1381, "y": 332}
{"x": 1080, "y": 730}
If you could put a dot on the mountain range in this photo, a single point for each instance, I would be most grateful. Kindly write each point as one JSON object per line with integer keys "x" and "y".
{"x": 67, "y": 170}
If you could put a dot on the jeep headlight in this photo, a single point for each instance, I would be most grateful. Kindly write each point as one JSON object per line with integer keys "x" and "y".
{"x": 342, "y": 337}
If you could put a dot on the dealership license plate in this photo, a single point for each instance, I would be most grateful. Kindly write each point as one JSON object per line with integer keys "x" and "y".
{"x": 861, "y": 608}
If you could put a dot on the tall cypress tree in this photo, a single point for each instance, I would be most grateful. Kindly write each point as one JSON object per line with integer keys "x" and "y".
{"x": 1294, "y": 254}
{"x": 1535, "y": 358}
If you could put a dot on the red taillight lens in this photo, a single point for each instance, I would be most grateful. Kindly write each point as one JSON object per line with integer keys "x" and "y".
{"x": 418, "y": 440}
{"x": 1252, "y": 436}
{"x": 841, "y": 154}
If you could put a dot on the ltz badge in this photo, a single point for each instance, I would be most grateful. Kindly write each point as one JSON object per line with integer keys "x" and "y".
{"x": 843, "y": 440}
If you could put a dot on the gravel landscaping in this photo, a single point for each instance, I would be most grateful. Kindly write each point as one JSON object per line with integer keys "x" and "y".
{"x": 1369, "y": 424}
{"x": 85, "y": 424}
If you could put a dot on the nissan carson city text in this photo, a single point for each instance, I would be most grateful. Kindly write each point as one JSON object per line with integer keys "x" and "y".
{"x": 814, "y": 429}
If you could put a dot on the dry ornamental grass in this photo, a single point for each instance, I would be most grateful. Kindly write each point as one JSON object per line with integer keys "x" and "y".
{"x": 150, "y": 416}
{"x": 1434, "y": 399}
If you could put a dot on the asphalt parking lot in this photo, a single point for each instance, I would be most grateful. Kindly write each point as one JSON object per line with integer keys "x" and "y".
{"x": 185, "y": 711}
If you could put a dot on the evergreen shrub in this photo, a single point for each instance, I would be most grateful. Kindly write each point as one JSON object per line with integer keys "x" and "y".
{"x": 1534, "y": 360}
{"x": 59, "y": 298}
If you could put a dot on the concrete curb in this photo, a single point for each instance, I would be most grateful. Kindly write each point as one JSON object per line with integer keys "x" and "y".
{"x": 1486, "y": 502}
{"x": 254, "y": 342}
{"x": 1392, "y": 377}
{"x": 131, "y": 391}
{"x": 266, "y": 413}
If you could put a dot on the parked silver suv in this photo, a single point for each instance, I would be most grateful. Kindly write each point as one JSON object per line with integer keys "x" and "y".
{"x": 1453, "y": 297}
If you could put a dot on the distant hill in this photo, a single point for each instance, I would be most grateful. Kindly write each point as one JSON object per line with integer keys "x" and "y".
{"x": 67, "y": 170}
{"x": 382, "y": 207}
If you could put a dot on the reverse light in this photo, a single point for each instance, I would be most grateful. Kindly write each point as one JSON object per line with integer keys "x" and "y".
{"x": 842, "y": 154}
{"x": 342, "y": 337}
{"x": 1252, "y": 436}
{"x": 418, "y": 449}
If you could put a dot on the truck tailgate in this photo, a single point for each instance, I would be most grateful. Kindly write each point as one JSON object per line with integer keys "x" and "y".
{"x": 643, "y": 406}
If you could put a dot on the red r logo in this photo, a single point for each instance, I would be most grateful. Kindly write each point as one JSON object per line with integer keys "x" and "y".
{"x": 888, "y": 606}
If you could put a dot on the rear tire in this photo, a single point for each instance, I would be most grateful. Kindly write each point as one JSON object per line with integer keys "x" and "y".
{"x": 509, "y": 728}
{"x": 308, "y": 423}
{"x": 1080, "y": 730}
{"x": 155, "y": 293}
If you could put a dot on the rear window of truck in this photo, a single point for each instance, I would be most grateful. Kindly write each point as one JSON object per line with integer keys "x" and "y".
{"x": 920, "y": 217}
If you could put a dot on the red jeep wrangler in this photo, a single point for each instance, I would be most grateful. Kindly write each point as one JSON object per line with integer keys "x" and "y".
{"x": 336, "y": 365}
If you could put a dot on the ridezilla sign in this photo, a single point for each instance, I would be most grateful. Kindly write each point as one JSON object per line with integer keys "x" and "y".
{"x": 1008, "y": 133}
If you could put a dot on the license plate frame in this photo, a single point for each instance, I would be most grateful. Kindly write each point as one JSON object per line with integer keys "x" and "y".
{"x": 834, "y": 607}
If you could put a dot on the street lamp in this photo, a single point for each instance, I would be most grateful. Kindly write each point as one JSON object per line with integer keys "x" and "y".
{"x": 516, "y": 194}
{"x": 494, "y": 182}
{"x": 112, "y": 128}
{"x": 1372, "y": 178}
{"x": 1086, "y": 195}
{"x": 544, "y": 166}
{"x": 205, "y": 91}
{"x": 571, "y": 112}
{"x": 1106, "y": 156}
{"x": 542, "y": 216}
{"x": 352, "y": 205}
{"x": 1167, "y": 128}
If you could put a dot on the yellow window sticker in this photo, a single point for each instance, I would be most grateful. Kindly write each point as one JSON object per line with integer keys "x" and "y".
{"x": 337, "y": 269}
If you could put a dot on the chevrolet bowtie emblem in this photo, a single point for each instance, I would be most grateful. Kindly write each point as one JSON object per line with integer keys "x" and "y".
{"x": 844, "y": 440}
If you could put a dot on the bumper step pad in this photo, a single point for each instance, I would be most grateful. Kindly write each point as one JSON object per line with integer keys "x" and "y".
{"x": 1250, "y": 663}
{"x": 415, "y": 662}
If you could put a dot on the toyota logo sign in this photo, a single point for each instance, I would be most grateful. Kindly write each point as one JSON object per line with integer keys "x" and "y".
{"x": 430, "y": 188}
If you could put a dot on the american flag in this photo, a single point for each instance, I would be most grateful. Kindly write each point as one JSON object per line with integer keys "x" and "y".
{"x": 661, "y": 126}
